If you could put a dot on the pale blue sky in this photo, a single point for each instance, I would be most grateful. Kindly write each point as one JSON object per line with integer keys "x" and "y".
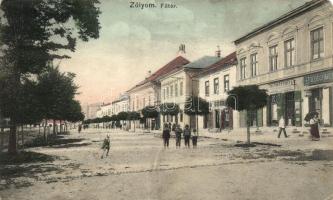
{"x": 133, "y": 41}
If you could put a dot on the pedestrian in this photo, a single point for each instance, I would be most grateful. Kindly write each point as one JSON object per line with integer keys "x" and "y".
{"x": 79, "y": 128}
{"x": 195, "y": 138}
{"x": 282, "y": 127}
{"x": 166, "y": 135}
{"x": 178, "y": 132}
{"x": 314, "y": 130}
{"x": 187, "y": 136}
{"x": 106, "y": 146}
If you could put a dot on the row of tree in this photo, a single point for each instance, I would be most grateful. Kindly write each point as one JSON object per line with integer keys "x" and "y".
{"x": 33, "y": 34}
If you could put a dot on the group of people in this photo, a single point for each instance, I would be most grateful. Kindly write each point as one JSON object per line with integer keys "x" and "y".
{"x": 314, "y": 127}
{"x": 176, "y": 130}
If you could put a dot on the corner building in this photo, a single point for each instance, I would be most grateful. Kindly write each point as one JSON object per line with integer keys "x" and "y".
{"x": 291, "y": 57}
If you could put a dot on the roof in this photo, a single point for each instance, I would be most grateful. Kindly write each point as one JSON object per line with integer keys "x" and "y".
{"x": 202, "y": 62}
{"x": 289, "y": 15}
{"x": 230, "y": 59}
{"x": 173, "y": 64}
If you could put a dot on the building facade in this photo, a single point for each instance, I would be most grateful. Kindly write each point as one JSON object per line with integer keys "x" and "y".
{"x": 214, "y": 84}
{"x": 180, "y": 84}
{"x": 291, "y": 57}
{"x": 148, "y": 92}
{"x": 120, "y": 105}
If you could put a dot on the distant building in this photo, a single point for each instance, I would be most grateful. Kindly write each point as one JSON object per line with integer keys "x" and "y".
{"x": 90, "y": 111}
{"x": 120, "y": 105}
{"x": 147, "y": 92}
{"x": 214, "y": 83}
{"x": 291, "y": 57}
{"x": 178, "y": 84}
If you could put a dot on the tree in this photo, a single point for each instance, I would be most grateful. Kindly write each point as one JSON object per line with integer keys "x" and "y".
{"x": 195, "y": 106}
{"x": 56, "y": 92}
{"x": 149, "y": 112}
{"x": 133, "y": 116}
{"x": 170, "y": 109}
{"x": 249, "y": 98}
{"x": 122, "y": 116}
{"x": 33, "y": 33}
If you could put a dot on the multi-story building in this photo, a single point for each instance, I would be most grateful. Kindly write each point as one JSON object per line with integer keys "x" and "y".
{"x": 178, "y": 85}
{"x": 90, "y": 111}
{"x": 120, "y": 105}
{"x": 291, "y": 57}
{"x": 147, "y": 92}
{"x": 214, "y": 83}
{"x": 105, "y": 110}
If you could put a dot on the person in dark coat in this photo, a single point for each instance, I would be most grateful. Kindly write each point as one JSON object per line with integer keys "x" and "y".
{"x": 314, "y": 124}
{"x": 166, "y": 135}
{"x": 106, "y": 146}
{"x": 187, "y": 136}
{"x": 178, "y": 132}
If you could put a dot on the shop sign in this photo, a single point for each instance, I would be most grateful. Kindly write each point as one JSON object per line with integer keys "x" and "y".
{"x": 317, "y": 78}
{"x": 281, "y": 86}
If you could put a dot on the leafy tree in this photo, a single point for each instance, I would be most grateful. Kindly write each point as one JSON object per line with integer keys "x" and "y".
{"x": 169, "y": 109}
{"x": 249, "y": 98}
{"x": 195, "y": 106}
{"x": 133, "y": 116}
{"x": 33, "y": 33}
{"x": 149, "y": 112}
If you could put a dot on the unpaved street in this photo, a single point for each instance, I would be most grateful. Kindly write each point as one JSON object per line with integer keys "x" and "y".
{"x": 138, "y": 167}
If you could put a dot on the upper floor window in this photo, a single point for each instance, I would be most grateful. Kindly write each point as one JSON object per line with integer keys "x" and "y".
{"x": 317, "y": 43}
{"x": 181, "y": 88}
{"x": 226, "y": 83}
{"x": 242, "y": 68}
{"x": 289, "y": 52}
{"x": 216, "y": 85}
{"x": 171, "y": 91}
{"x": 167, "y": 92}
{"x": 164, "y": 93}
{"x": 273, "y": 57}
{"x": 176, "y": 90}
{"x": 207, "y": 88}
{"x": 254, "y": 65}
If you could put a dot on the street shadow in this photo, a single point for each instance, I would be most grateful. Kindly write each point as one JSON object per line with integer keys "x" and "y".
{"x": 316, "y": 155}
{"x": 58, "y": 141}
{"x": 25, "y": 164}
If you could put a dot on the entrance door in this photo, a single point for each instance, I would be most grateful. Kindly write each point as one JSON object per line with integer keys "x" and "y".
{"x": 217, "y": 119}
{"x": 315, "y": 101}
{"x": 289, "y": 114}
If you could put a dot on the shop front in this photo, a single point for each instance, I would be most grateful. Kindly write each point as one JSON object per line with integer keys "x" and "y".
{"x": 285, "y": 100}
{"x": 319, "y": 96}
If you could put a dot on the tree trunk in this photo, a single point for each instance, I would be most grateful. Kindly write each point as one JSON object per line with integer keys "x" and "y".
{"x": 54, "y": 127}
{"x": 249, "y": 118}
{"x": 44, "y": 132}
{"x": 12, "y": 147}
{"x": 22, "y": 136}
{"x": 197, "y": 124}
{"x": 2, "y": 133}
{"x": 39, "y": 130}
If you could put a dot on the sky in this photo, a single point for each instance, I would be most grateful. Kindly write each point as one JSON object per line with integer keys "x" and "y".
{"x": 133, "y": 41}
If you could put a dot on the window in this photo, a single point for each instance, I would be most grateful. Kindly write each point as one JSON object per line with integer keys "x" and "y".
{"x": 289, "y": 53}
{"x": 216, "y": 85}
{"x": 207, "y": 88}
{"x": 171, "y": 91}
{"x": 254, "y": 65}
{"x": 176, "y": 90}
{"x": 242, "y": 68}
{"x": 164, "y": 93}
{"x": 181, "y": 89}
{"x": 317, "y": 43}
{"x": 226, "y": 83}
{"x": 273, "y": 55}
{"x": 167, "y": 91}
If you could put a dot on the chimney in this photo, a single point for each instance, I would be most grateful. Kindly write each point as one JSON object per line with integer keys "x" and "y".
{"x": 181, "y": 51}
{"x": 148, "y": 74}
{"x": 218, "y": 52}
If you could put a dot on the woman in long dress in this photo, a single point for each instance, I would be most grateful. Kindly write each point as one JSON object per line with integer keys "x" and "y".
{"x": 314, "y": 128}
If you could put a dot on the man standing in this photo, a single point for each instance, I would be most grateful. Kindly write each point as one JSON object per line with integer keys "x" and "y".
{"x": 282, "y": 127}
{"x": 166, "y": 136}
{"x": 178, "y": 132}
{"x": 106, "y": 146}
{"x": 187, "y": 136}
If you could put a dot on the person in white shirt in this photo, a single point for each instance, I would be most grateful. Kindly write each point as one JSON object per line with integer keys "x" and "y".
{"x": 282, "y": 127}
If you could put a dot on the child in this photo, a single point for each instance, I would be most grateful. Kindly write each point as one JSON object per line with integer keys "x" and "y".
{"x": 106, "y": 146}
